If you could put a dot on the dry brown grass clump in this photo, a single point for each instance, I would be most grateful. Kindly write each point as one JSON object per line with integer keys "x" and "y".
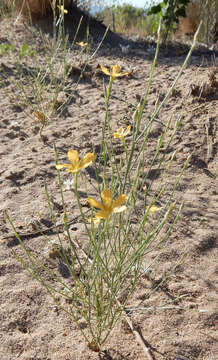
{"x": 207, "y": 88}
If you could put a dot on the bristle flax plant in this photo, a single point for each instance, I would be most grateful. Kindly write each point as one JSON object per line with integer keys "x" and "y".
{"x": 42, "y": 77}
{"x": 126, "y": 220}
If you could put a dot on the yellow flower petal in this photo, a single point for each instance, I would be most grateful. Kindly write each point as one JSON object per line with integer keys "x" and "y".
{"x": 76, "y": 165}
{"x": 108, "y": 205}
{"x": 62, "y": 9}
{"x": 95, "y": 203}
{"x": 105, "y": 70}
{"x": 124, "y": 73}
{"x": 115, "y": 70}
{"x": 127, "y": 131}
{"x": 121, "y": 133}
{"x": 119, "y": 209}
{"x": 82, "y": 43}
{"x": 120, "y": 200}
{"x": 153, "y": 209}
{"x": 87, "y": 160}
{"x": 67, "y": 166}
{"x": 73, "y": 157}
{"x": 60, "y": 166}
{"x": 118, "y": 133}
{"x": 94, "y": 220}
{"x": 107, "y": 200}
{"x": 103, "y": 214}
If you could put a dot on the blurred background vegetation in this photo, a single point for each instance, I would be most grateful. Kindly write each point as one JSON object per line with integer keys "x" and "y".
{"x": 143, "y": 21}
{"x": 128, "y": 19}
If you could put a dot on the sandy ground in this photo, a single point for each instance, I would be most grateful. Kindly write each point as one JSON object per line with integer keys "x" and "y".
{"x": 179, "y": 320}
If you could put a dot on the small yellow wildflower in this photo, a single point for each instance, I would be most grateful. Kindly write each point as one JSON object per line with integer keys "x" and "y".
{"x": 108, "y": 205}
{"x": 76, "y": 164}
{"x": 121, "y": 133}
{"x": 153, "y": 209}
{"x": 82, "y": 43}
{"x": 114, "y": 72}
{"x": 62, "y": 9}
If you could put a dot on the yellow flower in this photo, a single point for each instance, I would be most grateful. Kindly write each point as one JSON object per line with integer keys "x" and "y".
{"x": 121, "y": 133}
{"x": 108, "y": 205}
{"x": 76, "y": 164}
{"x": 153, "y": 209}
{"x": 82, "y": 43}
{"x": 62, "y": 9}
{"x": 114, "y": 72}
